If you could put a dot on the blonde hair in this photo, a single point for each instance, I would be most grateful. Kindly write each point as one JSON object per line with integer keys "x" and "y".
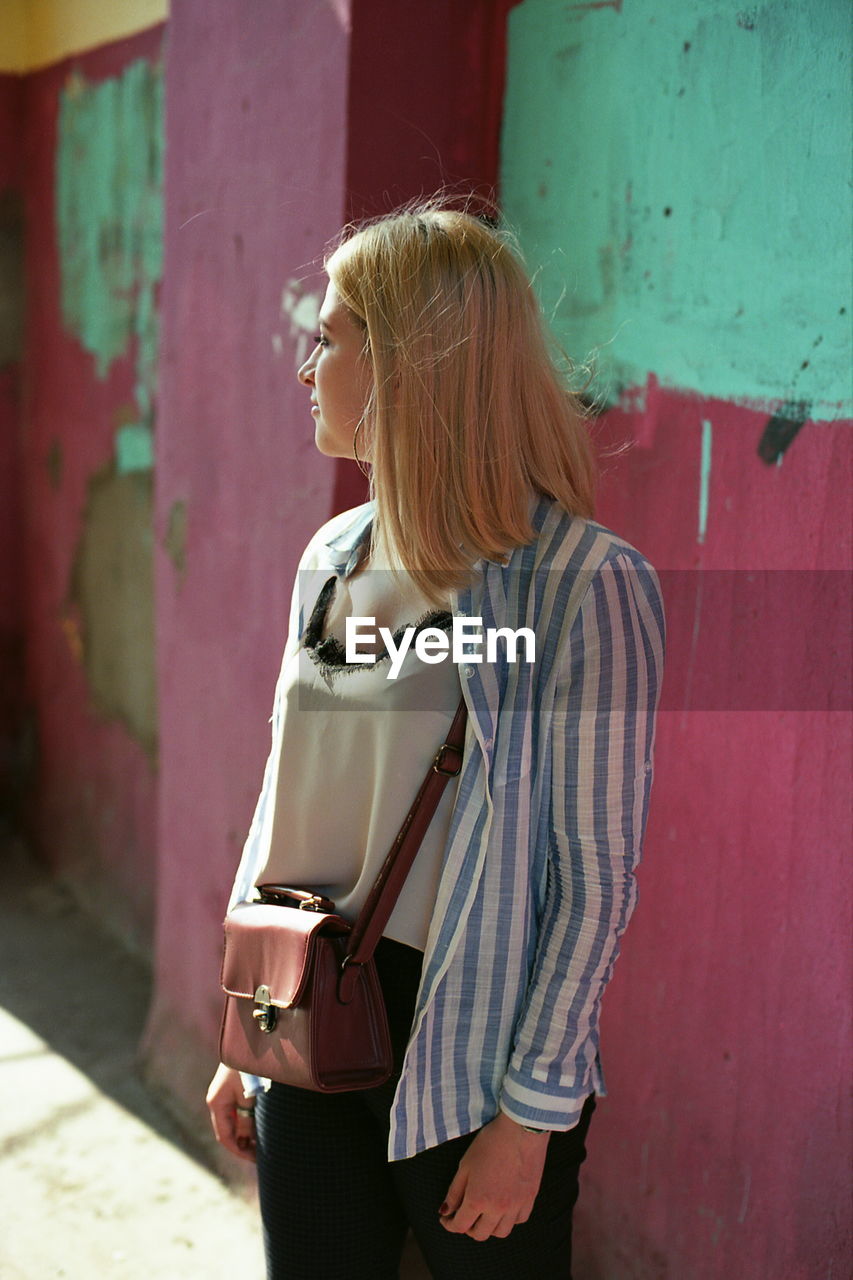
{"x": 469, "y": 413}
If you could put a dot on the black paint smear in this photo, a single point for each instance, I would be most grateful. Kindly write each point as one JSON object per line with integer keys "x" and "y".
{"x": 781, "y": 429}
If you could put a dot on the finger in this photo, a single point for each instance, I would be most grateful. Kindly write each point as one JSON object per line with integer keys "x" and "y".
{"x": 461, "y": 1222}
{"x": 244, "y": 1124}
{"x": 455, "y": 1194}
{"x": 244, "y": 1132}
{"x": 224, "y": 1119}
{"x": 483, "y": 1228}
{"x": 214, "y": 1122}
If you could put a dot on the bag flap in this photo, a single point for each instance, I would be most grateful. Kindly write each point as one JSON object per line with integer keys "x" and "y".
{"x": 269, "y": 945}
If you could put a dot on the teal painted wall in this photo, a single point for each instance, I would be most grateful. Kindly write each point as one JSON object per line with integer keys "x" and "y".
{"x": 109, "y": 179}
{"x": 680, "y": 173}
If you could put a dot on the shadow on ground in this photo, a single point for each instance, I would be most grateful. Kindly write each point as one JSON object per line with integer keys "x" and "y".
{"x": 97, "y": 1177}
{"x": 76, "y": 989}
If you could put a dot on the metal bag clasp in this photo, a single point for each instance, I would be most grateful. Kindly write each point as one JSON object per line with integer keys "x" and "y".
{"x": 265, "y": 1013}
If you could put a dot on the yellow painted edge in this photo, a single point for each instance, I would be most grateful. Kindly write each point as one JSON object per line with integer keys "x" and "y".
{"x": 13, "y": 35}
{"x": 36, "y": 33}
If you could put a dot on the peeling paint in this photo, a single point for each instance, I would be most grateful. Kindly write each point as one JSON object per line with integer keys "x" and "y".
{"x": 704, "y": 478}
{"x": 70, "y": 625}
{"x": 109, "y": 179}
{"x": 113, "y": 590}
{"x": 781, "y": 429}
{"x": 11, "y": 277}
{"x": 744, "y": 1204}
{"x": 596, "y": 4}
{"x": 134, "y": 448}
{"x": 301, "y": 309}
{"x": 175, "y": 541}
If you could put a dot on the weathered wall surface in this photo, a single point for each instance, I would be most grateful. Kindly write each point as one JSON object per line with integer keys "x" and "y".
{"x": 278, "y": 131}
{"x": 92, "y": 144}
{"x": 11, "y": 511}
{"x": 674, "y": 171}
{"x": 679, "y": 172}
{"x": 256, "y": 128}
{"x": 680, "y": 175}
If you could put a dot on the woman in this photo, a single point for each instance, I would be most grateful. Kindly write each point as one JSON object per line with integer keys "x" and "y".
{"x": 432, "y": 365}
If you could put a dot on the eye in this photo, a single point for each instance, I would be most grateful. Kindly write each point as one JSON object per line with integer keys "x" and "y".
{"x": 320, "y": 340}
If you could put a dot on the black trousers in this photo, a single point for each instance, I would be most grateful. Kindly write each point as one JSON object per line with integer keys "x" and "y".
{"x": 334, "y": 1207}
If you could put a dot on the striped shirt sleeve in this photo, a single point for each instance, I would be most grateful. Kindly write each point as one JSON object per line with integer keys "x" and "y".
{"x": 601, "y": 750}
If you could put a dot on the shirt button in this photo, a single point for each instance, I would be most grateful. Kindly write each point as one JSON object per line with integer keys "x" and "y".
{"x": 469, "y": 671}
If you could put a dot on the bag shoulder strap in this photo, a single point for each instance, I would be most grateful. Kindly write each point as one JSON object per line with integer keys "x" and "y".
{"x": 375, "y": 913}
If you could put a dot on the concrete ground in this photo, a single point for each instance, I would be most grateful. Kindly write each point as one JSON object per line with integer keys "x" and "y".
{"x": 96, "y": 1178}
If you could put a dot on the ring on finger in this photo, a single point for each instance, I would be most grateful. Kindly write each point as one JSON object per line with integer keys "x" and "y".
{"x": 248, "y": 1112}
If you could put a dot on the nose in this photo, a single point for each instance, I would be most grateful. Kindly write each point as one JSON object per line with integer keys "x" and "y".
{"x": 305, "y": 372}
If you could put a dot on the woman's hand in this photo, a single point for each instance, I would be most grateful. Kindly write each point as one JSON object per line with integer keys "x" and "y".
{"x": 496, "y": 1182}
{"x": 235, "y": 1131}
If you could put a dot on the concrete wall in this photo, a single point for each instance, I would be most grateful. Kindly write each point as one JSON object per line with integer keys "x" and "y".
{"x": 680, "y": 174}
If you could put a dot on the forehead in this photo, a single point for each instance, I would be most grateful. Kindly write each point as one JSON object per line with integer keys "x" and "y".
{"x": 335, "y": 314}
{"x": 331, "y": 307}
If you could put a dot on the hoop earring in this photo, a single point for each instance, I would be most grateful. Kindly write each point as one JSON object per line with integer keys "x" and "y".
{"x": 358, "y": 462}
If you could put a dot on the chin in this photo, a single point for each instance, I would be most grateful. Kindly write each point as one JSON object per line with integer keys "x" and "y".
{"x": 328, "y": 445}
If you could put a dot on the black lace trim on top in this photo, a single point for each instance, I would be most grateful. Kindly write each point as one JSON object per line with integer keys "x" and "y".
{"x": 331, "y": 656}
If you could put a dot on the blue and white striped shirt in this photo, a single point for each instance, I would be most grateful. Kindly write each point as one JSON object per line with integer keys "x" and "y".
{"x": 537, "y": 881}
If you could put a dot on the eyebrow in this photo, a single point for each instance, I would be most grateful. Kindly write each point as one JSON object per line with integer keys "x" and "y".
{"x": 325, "y": 323}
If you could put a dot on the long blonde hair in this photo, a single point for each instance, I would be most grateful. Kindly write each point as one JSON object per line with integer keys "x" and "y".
{"x": 469, "y": 413}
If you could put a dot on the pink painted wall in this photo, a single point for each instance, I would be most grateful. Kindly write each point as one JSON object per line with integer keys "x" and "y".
{"x": 276, "y": 132}
{"x": 93, "y": 814}
{"x": 722, "y": 1149}
{"x": 256, "y": 135}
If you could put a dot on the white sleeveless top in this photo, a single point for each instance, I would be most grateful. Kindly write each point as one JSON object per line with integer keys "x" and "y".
{"x": 352, "y": 751}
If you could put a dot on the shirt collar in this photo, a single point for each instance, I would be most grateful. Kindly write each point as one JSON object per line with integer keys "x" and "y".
{"x": 344, "y": 549}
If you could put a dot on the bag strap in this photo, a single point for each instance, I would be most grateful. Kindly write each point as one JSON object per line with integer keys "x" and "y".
{"x": 375, "y": 913}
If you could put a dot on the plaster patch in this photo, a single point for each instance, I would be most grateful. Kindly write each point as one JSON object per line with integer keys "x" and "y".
{"x": 113, "y": 589}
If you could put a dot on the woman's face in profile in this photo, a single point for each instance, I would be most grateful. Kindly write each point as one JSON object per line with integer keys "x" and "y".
{"x": 339, "y": 376}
